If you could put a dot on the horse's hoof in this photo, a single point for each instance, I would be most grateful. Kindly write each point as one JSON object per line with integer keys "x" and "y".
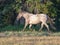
{"x": 49, "y": 31}
{"x": 23, "y": 30}
{"x": 40, "y": 31}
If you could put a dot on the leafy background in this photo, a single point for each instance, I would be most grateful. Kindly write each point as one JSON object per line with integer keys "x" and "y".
{"x": 9, "y": 9}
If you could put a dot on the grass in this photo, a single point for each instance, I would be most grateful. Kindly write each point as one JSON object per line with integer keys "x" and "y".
{"x": 17, "y": 30}
{"x": 12, "y": 35}
{"x": 27, "y": 33}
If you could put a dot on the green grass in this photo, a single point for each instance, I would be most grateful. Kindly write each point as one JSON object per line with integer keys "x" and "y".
{"x": 27, "y": 33}
{"x": 11, "y": 28}
{"x": 17, "y": 30}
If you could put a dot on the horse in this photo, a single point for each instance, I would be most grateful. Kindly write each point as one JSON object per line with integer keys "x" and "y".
{"x": 29, "y": 16}
{"x": 35, "y": 19}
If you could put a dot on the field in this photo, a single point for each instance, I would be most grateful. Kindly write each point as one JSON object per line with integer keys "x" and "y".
{"x": 29, "y": 38}
{"x": 43, "y": 40}
{"x": 14, "y": 36}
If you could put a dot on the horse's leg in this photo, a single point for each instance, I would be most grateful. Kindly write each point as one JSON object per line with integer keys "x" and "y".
{"x": 41, "y": 27}
{"x": 47, "y": 26}
{"x": 30, "y": 26}
{"x": 26, "y": 23}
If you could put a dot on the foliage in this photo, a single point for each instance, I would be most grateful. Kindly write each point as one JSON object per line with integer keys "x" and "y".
{"x": 10, "y": 8}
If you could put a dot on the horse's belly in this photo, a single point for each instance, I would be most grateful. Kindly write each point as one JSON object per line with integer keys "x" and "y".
{"x": 34, "y": 20}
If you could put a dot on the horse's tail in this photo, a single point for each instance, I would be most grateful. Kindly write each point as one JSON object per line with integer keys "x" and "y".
{"x": 51, "y": 23}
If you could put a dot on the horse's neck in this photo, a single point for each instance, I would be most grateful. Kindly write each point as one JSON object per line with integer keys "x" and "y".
{"x": 26, "y": 15}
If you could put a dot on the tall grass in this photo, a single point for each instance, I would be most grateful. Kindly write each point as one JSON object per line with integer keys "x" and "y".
{"x": 17, "y": 30}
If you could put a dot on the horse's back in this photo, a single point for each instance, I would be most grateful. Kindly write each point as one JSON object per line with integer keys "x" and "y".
{"x": 33, "y": 17}
{"x": 43, "y": 17}
{"x": 27, "y": 15}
